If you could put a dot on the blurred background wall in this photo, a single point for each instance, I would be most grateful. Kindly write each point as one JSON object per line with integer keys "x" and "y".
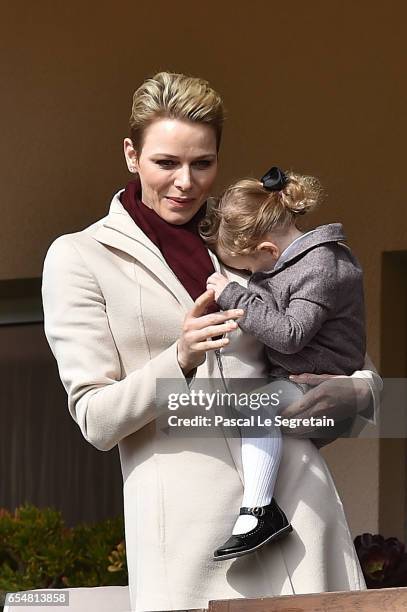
{"x": 315, "y": 86}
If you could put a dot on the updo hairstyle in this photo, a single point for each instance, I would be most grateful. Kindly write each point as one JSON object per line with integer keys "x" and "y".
{"x": 175, "y": 96}
{"x": 247, "y": 212}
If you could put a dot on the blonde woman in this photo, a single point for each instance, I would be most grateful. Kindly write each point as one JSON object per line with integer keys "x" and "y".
{"x": 125, "y": 305}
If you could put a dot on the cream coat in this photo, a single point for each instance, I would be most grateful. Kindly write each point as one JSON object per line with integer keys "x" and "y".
{"x": 113, "y": 312}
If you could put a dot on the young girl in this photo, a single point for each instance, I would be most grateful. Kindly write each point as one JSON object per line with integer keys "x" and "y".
{"x": 304, "y": 301}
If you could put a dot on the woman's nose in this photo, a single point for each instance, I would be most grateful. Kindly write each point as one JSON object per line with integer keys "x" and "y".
{"x": 183, "y": 178}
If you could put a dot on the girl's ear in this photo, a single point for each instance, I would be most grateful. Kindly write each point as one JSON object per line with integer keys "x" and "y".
{"x": 131, "y": 155}
{"x": 269, "y": 247}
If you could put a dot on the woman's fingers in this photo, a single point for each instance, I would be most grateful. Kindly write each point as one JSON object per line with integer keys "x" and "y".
{"x": 197, "y": 317}
{"x": 217, "y": 330}
{"x": 332, "y": 397}
{"x": 201, "y": 303}
{"x": 336, "y": 397}
{"x": 311, "y": 379}
{"x": 344, "y": 393}
{"x": 299, "y": 407}
{"x": 199, "y": 328}
{"x": 208, "y": 345}
{"x": 216, "y": 318}
{"x": 197, "y": 338}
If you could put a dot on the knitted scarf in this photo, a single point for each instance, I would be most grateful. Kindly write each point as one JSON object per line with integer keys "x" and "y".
{"x": 181, "y": 245}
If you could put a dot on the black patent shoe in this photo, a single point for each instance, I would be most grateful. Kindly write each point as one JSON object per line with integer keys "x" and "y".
{"x": 272, "y": 524}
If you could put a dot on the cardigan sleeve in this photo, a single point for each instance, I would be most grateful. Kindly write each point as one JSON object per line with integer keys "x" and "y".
{"x": 106, "y": 406}
{"x": 287, "y": 332}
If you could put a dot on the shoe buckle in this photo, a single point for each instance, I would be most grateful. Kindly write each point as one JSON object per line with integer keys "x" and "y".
{"x": 257, "y": 511}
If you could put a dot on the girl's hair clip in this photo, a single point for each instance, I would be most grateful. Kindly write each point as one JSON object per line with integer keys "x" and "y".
{"x": 274, "y": 180}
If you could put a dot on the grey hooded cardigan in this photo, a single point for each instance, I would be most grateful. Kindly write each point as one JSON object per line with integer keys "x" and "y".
{"x": 308, "y": 310}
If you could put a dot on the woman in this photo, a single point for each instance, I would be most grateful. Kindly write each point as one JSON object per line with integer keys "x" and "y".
{"x": 125, "y": 306}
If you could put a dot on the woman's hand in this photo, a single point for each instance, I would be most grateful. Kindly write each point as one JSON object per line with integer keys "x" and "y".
{"x": 337, "y": 397}
{"x": 199, "y": 329}
{"x": 217, "y": 282}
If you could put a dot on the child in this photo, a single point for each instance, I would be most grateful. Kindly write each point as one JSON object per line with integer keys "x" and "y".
{"x": 304, "y": 301}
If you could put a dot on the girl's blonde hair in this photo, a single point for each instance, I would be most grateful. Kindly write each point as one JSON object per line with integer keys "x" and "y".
{"x": 175, "y": 96}
{"x": 247, "y": 212}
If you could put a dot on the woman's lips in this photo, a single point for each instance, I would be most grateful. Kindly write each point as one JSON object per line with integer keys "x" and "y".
{"x": 180, "y": 202}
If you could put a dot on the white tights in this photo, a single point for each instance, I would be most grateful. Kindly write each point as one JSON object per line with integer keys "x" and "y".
{"x": 261, "y": 458}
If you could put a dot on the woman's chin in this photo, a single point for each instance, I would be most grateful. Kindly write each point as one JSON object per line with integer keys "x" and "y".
{"x": 178, "y": 216}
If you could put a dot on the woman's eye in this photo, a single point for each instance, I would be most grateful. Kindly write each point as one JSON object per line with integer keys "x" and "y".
{"x": 202, "y": 163}
{"x": 165, "y": 163}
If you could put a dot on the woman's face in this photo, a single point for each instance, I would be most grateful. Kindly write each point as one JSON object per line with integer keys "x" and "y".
{"x": 177, "y": 166}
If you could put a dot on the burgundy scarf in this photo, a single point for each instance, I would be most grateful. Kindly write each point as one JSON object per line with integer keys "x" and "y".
{"x": 183, "y": 248}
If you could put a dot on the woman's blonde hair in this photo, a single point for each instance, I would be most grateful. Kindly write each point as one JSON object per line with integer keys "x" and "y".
{"x": 175, "y": 96}
{"x": 247, "y": 212}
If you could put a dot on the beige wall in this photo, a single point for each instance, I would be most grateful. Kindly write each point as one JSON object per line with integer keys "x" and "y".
{"x": 316, "y": 86}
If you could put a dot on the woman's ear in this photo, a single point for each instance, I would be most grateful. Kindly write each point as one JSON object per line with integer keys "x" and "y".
{"x": 270, "y": 248}
{"x": 131, "y": 155}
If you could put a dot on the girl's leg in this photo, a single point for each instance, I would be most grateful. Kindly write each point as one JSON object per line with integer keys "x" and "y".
{"x": 261, "y": 520}
{"x": 261, "y": 459}
{"x": 261, "y": 455}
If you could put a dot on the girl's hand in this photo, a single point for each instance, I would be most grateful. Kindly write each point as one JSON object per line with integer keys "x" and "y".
{"x": 199, "y": 329}
{"x": 217, "y": 282}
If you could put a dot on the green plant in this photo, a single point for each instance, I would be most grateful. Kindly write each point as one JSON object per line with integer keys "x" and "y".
{"x": 37, "y": 551}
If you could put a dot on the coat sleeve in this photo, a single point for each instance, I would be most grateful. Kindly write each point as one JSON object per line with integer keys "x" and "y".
{"x": 106, "y": 406}
{"x": 311, "y": 300}
{"x": 373, "y": 379}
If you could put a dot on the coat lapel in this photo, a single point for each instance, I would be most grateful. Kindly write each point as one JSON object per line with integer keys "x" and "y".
{"x": 119, "y": 231}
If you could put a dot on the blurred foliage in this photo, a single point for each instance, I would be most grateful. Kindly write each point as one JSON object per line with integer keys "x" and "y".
{"x": 37, "y": 551}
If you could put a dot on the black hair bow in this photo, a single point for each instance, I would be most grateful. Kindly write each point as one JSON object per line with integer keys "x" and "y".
{"x": 274, "y": 179}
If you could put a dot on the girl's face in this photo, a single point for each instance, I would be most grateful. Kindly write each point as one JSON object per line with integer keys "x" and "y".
{"x": 262, "y": 260}
{"x": 177, "y": 166}
{"x": 239, "y": 262}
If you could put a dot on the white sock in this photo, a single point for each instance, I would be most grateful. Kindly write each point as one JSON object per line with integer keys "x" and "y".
{"x": 261, "y": 459}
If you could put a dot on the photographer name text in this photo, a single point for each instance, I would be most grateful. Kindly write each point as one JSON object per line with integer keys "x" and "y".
{"x": 254, "y": 420}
